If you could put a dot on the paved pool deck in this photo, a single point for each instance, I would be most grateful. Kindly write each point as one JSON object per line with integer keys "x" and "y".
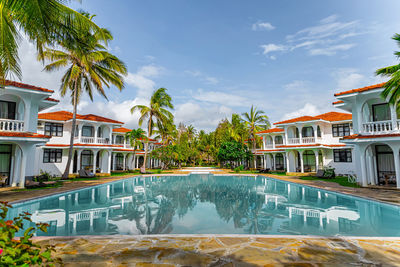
{"x": 214, "y": 250}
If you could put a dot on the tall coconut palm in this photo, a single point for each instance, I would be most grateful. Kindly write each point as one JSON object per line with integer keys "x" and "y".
{"x": 255, "y": 121}
{"x": 43, "y": 22}
{"x": 89, "y": 67}
{"x": 156, "y": 113}
{"x": 135, "y": 138}
{"x": 392, "y": 87}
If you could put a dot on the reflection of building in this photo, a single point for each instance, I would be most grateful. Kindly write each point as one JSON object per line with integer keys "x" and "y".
{"x": 376, "y": 137}
{"x": 19, "y": 106}
{"x": 307, "y": 143}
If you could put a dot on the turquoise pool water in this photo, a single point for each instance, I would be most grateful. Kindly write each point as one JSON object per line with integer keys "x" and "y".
{"x": 207, "y": 204}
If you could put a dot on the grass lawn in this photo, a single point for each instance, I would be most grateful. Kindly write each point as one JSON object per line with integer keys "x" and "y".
{"x": 338, "y": 179}
{"x": 135, "y": 172}
{"x": 257, "y": 172}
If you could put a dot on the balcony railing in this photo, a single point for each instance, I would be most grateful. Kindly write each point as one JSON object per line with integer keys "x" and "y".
{"x": 378, "y": 127}
{"x": 268, "y": 146}
{"x": 293, "y": 141}
{"x": 92, "y": 140}
{"x": 11, "y": 125}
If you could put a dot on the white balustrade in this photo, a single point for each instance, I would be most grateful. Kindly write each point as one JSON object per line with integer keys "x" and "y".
{"x": 377, "y": 127}
{"x": 268, "y": 146}
{"x": 87, "y": 140}
{"x": 11, "y": 125}
{"x": 293, "y": 141}
{"x": 308, "y": 140}
{"x": 104, "y": 141}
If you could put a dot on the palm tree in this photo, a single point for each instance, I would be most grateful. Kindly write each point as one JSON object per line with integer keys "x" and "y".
{"x": 135, "y": 138}
{"x": 392, "y": 87}
{"x": 89, "y": 65}
{"x": 43, "y": 22}
{"x": 156, "y": 113}
{"x": 255, "y": 121}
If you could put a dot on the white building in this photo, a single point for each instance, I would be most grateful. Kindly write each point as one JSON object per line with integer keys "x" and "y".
{"x": 376, "y": 137}
{"x": 308, "y": 143}
{"x": 99, "y": 144}
{"x": 19, "y": 107}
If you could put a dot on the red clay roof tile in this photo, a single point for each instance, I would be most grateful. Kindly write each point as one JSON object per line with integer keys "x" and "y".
{"x": 273, "y": 130}
{"x": 66, "y": 116}
{"x": 362, "y": 89}
{"x": 24, "y": 134}
{"x": 330, "y": 116}
{"x": 27, "y": 86}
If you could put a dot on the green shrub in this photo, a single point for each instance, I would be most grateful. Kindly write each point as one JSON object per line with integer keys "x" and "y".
{"x": 158, "y": 171}
{"x": 22, "y": 251}
{"x": 329, "y": 172}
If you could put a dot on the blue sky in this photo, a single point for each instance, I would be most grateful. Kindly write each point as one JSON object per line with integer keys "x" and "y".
{"x": 218, "y": 57}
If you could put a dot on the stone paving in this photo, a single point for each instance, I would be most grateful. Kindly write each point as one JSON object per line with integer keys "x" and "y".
{"x": 225, "y": 251}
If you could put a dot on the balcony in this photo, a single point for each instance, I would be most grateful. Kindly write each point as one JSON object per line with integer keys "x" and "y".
{"x": 304, "y": 140}
{"x": 379, "y": 127}
{"x": 92, "y": 140}
{"x": 269, "y": 146}
{"x": 11, "y": 125}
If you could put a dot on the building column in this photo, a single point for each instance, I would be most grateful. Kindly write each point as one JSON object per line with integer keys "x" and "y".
{"x": 397, "y": 167}
{"x": 78, "y": 159}
{"x": 274, "y": 161}
{"x": 124, "y": 162}
{"x": 79, "y": 132}
{"x": 316, "y": 160}
{"x": 300, "y": 135}
{"x": 287, "y": 162}
{"x": 113, "y": 166}
{"x": 22, "y": 169}
{"x": 371, "y": 169}
{"x": 96, "y": 128}
{"x": 265, "y": 161}
{"x": 273, "y": 142}
{"x": 94, "y": 161}
{"x": 301, "y": 161}
{"x": 393, "y": 116}
{"x": 363, "y": 167}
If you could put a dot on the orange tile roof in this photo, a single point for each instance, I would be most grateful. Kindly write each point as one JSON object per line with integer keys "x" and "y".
{"x": 96, "y": 145}
{"x": 330, "y": 116}
{"x": 27, "y": 86}
{"x": 52, "y": 99}
{"x": 273, "y": 130}
{"x": 355, "y": 136}
{"x": 121, "y": 130}
{"x": 338, "y": 102}
{"x": 363, "y": 89}
{"x": 310, "y": 145}
{"x": 66, "y": 116}
{"x": 23, "y": 134}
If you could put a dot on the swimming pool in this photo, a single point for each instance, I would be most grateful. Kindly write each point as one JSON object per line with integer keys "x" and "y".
{"x": 210, "y": 204}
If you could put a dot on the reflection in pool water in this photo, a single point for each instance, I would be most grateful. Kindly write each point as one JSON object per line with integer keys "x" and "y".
{"x": 207, "y": 204}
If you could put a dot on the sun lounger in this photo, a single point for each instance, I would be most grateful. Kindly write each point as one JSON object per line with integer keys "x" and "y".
{"x": 29, "y": 183}
{"x": 85, "y": 174}
{"x": 320, "y": 174}
{"x": 3, "y": 180}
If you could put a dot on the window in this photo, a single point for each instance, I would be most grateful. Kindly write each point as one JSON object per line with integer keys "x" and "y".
{"x": 307, "y": 132}
{"x": 381, "y": 112}
{"x": 53, "y": 129}
{"x": 119, "y": 140}
{"x": 342, "y": 155}
{"x": 88, "y": 131}
{"x": 52, "y": 156}
{"x": 339, "y": 130}
{"x": 7, "y": 110}
{"x": 86, "y": 159}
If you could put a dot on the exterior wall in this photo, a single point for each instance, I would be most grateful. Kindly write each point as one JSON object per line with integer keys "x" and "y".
{"x": 340, "y": 167}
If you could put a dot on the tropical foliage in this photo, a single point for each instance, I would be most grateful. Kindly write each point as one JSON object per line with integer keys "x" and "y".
{"x": 43, "y": 22}
{"x": 392, "y": 86}
{"x": 22, "y": 251}
{"x": 89, "y": 67}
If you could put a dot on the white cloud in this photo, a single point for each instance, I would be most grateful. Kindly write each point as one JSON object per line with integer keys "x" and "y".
{"x": 330, "y": 50}
{"x": 200, "y": 115}
{"x": 262, "y": 26}
{"x": 204, "y": 77}
{"x": 222, "y": 98}
{"x": 327, "y": 38}
{"x": 142, "y": 79}
{"x": 308, "y": 110}
{"x": 348, "y": 78}
{"x": 297, "y": 86}
{"x": 268, "y": 48}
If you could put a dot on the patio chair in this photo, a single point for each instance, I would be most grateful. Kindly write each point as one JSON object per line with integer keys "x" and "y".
{"x": 320, "y": 174}
{"x": 3, "y": 180}
{"x": 29, "y": 183}
{"x": 85, "y": 174}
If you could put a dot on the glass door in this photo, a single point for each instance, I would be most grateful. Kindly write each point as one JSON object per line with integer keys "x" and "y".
{"x": 5, "y": 162}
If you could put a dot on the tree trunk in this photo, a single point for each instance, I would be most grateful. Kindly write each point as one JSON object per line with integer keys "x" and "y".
{"x": 146, "y": 145}
{"x": 71, "y": 141}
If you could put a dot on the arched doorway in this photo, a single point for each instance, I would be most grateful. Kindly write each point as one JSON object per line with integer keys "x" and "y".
{"x": 87, "y": 159}
{"x": 385, "y": 170}
{"x": 279, "y": 162}
{"x": 309, "y": 161}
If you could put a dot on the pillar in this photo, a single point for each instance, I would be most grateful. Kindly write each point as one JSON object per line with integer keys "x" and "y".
{"x": 79, "y": 132}
{"x": 113, "y": 156}
{"x": 94, "y": 161}
{"x": 363, "y": 167}
{"x": 300, "y": 135}
{"x": 301, "y": 161}
{"x": 393, "y": 116}
{"x": 109, "y": 161}
{"x": 124, "y": 162}
{"x": 22, "y": 167}
{"x": 274, "y": 162}
{"x": 397, "y": 165}
{"x": 95, "y": 134}
{"x": 316, "y": 160}
{"x": 287, "y": 162}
